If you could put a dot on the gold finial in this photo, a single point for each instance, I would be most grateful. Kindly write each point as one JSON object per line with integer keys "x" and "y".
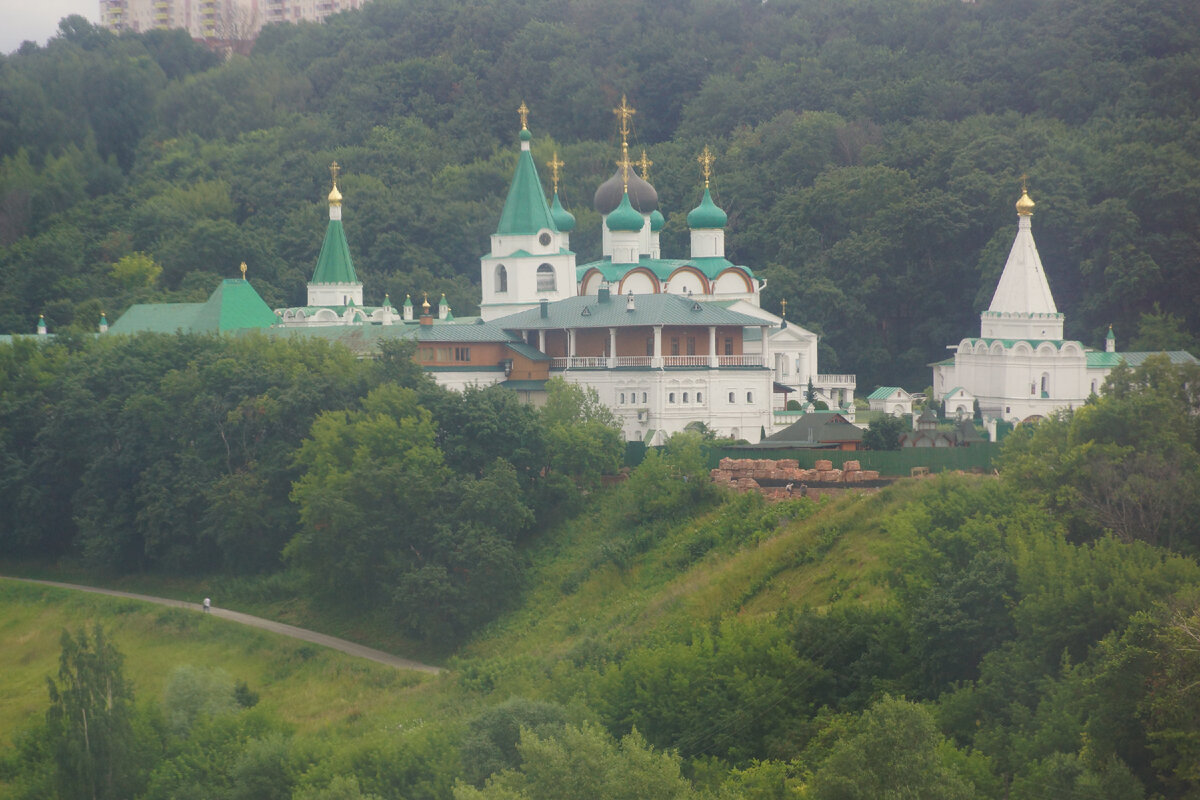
{"x": 335, "y": 197}
{"x": 1025, "y": 204}
{"x": 645, "y": 163}
{"x": 425, "y": 305}
{"x": 243, "y": 268}
{"x": 706, "y": 161}
{"x": 555, "y": 165}
{"x": 783, "y": 303}
{"x": 523, "y": 111}
{"x": 624, "y": 113}
{"x": 625, "y": 164}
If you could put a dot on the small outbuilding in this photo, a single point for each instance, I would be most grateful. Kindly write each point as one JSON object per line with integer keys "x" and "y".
{"x": 890, "y": 400}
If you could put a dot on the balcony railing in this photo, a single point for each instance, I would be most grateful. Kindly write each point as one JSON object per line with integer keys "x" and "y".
{"x": 580, "y": 362}
{"x": 634, "y": 361}
{"x": 751, "y": 360}
{"x": 839, "y": 381}
{"x": 685, "y": 361}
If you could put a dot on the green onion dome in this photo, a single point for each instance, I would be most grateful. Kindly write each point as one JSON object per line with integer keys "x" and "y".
{"x": 706, "y": 215}
{"x": 563, "y": 220}
{"x": 657, "y": 221}
{"x": 624, "y": 218}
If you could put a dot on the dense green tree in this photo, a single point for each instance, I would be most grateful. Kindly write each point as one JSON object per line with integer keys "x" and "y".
{"x": 90, "y": 721}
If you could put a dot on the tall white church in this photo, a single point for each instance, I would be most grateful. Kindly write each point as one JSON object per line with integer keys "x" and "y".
{"x": 1020, "y": 367}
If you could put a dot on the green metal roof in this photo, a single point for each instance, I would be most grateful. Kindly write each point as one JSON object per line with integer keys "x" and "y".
{"x": 528, "y": 351}
{"x": 562, "y": 251}
{"x": 334, "y": 264}
{"x": 884, "y": 392}
{"x": 525, "y": 210}
{"x": 234, "y": 305}
{"x": 946, "y": 396}
{"x": 814, "y": 428}
{"x": 649, "y": 309}
{"x": 525, "y": 386}
{"x": 1136, "y": 359}
{"x": 662, "y": 268}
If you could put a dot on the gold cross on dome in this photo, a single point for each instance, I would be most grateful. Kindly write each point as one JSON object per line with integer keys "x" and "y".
{"x": 624, "y": 113}
{"x": 1024, "y": 178}
{"x": 625, "y": 164}
{"x": 645, "y": 163}
{"x": 706, "y": 161}
{"x": 783, "y": 303}
{"x": 523, "y": 111}
{"x": 334, "y": 169}
{"x": 555, "y": 165}
{"x": 243, "y": 268}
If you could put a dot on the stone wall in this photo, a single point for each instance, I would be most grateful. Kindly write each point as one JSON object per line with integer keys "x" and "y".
{"x": 771, "y": 477}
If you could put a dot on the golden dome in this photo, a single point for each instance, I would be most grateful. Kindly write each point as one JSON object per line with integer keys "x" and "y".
{"x": 1025, "y": 205}
{"x": 335, "y": 197}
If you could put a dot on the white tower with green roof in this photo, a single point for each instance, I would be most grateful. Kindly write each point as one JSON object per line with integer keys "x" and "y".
{"x": 529, "y": 260}
{"x": 334, "y": 282}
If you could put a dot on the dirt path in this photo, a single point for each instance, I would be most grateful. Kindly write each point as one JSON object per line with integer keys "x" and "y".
{"x": 333, "y": 642}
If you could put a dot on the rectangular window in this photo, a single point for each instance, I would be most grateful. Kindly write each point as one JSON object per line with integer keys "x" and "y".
{"x": 462, "y": 354}
{"x": 691, "y": 345}
{"x": 649, "y": 345}
{"x": 729, "y": 347}
{"x": 674, "y": 345}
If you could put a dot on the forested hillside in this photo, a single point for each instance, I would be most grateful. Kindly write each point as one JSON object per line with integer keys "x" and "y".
{"x": 1020, "y": 637}
{"x": 869, "y": 154}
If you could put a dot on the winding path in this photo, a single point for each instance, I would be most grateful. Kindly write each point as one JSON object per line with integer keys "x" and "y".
{"x": 351, "y": 648}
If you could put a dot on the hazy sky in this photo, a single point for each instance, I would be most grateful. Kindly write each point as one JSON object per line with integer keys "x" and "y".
{"x": 38, "y": 19}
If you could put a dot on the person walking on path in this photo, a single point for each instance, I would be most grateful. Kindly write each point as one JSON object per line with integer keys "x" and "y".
{"x": 207, "y": 605}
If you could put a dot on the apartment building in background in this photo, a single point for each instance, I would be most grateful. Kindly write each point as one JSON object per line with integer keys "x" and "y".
{"x": 215, "y": 20}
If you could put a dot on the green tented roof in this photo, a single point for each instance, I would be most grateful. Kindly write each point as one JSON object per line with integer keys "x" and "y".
{"x": 334, "y": 264}
{"x": 710, "y": 266}
{"x": 525, "y": 210}
{"x": 649, "y": 309}
{"x": 233, "y": 306}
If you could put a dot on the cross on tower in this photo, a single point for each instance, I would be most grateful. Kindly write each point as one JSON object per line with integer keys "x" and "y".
{"x": 555, "y": 165}
{"x": 334, "y": 169}
{"x": 523, "y": 111}
{"x": 645, "y": 163}
{"x": 625, "y": 164}
{"x": 1024, "y": 178}
{"x": 783, "y": 303}
{"x": 706, "y": 161}
{"x": 624, "y": 113}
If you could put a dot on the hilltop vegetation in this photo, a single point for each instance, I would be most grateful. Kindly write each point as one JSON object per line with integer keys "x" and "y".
{"x": 964, "y": 636}
{"x": 868, "y": 155}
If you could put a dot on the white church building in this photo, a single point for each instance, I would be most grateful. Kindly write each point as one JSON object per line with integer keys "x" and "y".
{"x": 1020, "y": 367}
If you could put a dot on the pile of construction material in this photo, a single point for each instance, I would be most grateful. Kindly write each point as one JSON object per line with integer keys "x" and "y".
{"x": 751, "y": 473}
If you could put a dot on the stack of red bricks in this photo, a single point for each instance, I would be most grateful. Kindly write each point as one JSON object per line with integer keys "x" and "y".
{"x": 746, "y": 473}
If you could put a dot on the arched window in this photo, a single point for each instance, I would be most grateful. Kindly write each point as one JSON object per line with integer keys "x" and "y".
{"x": 685, "y": 397}
{"x": 671, "y": 397}
{"x": 749, "y": 397}
{"x": 644, "y": 397}
{"x": 699, "y": 397}
{"x": 731, "y": 397}
{"x": 622, "y": 398}
{"x": 501, "y": 278}
{"x": 1045, "y": 384}
{"x": 545, "y": 278}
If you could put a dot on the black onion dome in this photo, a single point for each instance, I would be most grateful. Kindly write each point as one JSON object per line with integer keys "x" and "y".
{"x": 642, "y": 195}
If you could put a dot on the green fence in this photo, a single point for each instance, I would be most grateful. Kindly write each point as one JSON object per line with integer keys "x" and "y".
{"x": 893, "y": 463}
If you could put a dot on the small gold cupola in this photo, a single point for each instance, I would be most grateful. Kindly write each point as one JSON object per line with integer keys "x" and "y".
{"x": 1025, "y": 204}
{"x": 335, "y": 197}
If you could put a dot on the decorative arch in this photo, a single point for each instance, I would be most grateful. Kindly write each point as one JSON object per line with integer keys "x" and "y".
{"x": 1046, "y": 349}
{"x": 591, "y": 282}
{"x": 732, "y": 281}
{"x": 997, "y": 348}
{"x": 639, "y": 281}
{"x": 686, "y": 276}
{"x": 1022, "y": 349}
{"x": 501, "y": 279}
